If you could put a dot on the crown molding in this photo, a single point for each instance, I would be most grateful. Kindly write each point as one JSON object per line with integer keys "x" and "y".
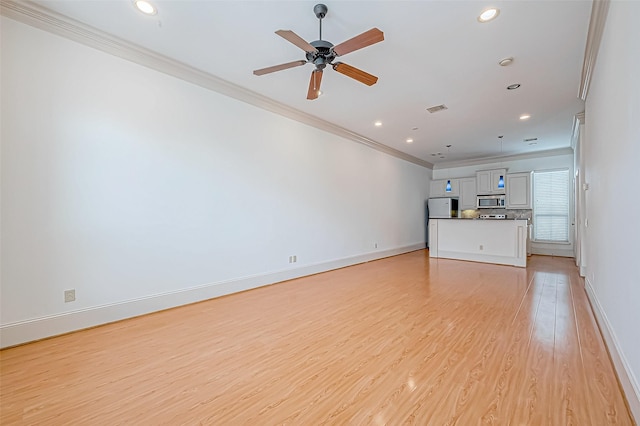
{"x": 485, "y": 160}
{"x": 42, "y": 18}
{"x": 578, "y": 120}
{"x": 599, "y": 9}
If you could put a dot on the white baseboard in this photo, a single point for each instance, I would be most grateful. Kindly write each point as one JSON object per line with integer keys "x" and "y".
{"x": 552, "y": 252}
{"x": 628, "y": 381}
{"x": 39, "y": 328}
{"x": 485, "y": 258}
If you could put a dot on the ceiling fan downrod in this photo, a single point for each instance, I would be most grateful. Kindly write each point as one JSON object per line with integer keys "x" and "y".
{"x": 321, "y": 11}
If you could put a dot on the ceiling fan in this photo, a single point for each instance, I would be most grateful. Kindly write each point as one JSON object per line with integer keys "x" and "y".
{"x": 322, "y": 53}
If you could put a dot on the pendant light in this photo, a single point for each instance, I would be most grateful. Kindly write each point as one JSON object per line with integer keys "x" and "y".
{"x": 501, "y": 180}
{"x": 448, "y": 187}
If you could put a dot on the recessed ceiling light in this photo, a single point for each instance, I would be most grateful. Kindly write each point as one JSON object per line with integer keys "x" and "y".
{"x": 488, "y": 14}
{"x": 409, "y": 140}
{"x": 525, "y": 117}
{"x": 513, "y": 86}
{"x": 437, "y": 108}
{"x": 505, "y": 62}
{"x": 145, "y": 7}
{"x": 378, "y": 123}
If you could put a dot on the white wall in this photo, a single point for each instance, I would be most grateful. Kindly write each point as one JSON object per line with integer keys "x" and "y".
{"x": 611, "y": 150}
{"x": 134, "y": 187}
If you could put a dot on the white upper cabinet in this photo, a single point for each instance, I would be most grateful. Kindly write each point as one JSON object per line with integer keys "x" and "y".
{"x": 467, "y": 194}
{"x": 519, "y": 190}
{"x": 488, "y": 181}
{"x": 438, "y": 188}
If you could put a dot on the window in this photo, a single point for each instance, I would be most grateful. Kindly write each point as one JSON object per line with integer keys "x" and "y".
{"x": 551, "y": 206}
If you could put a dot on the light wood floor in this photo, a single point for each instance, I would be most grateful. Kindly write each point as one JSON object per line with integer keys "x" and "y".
{"x": 400, "y": 340}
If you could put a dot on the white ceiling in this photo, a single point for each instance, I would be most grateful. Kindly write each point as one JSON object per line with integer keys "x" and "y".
{"x": 434, "y": 52}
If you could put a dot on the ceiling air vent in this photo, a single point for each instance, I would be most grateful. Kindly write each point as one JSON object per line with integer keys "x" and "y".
{"x": 436, "y": 108}
{"x": 530, "y": 139}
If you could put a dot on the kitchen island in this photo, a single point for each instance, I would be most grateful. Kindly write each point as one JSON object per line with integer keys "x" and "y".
{"x": 501, "y": 241}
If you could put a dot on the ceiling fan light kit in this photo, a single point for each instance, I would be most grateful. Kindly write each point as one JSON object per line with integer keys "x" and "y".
{"x": 321, "y": 53}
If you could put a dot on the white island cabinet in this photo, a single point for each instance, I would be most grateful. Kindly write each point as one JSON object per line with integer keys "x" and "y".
{"x": 491, "y": 241}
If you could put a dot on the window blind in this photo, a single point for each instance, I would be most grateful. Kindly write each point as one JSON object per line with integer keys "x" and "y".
{"x": 551, "y": 206}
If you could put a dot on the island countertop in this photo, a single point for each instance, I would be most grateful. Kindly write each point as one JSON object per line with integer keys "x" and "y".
{"x": 478, "y": 218}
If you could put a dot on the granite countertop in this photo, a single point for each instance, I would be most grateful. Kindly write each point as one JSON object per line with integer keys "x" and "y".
{"x": 477, "y": 218}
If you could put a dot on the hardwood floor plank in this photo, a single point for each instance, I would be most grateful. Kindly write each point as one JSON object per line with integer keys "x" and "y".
{"x": 566, "y": 372}
{"x": 598, "y": 369}
{"x": 402, "y": 340}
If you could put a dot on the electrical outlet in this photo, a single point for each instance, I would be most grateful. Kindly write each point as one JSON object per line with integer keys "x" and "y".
{"x": 69, "y": 295}
{"x": 481, "y": 247}
{"x": 293, "y": 259}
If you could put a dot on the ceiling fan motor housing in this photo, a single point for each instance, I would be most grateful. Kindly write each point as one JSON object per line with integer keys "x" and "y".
{"x": 323, "y": 56}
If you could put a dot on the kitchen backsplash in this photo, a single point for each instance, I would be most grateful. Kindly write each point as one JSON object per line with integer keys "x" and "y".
{"x": 511, "y": 214}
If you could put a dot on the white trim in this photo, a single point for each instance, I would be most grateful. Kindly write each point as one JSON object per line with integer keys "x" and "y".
{"x": 485, "y": 160}
{"x": 546, "y": 251}
{"x": 520, "y": 261}
{"x": 47, "y": 20}
{"x": 599, "y": 9}
{"x": 628, "y": 381}
{"x": 557, "y": 243}
{"x": 578, "y": 119}
{"x": 39, "y": 328}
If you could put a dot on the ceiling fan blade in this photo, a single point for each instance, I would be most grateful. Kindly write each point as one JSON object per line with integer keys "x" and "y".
{"x": 314, "y": 85}
{"x": 365, "y": 39}
{"x": 355, "y": 73}
{"x": 280, "y": 67}
{"x": 294, "y": 38}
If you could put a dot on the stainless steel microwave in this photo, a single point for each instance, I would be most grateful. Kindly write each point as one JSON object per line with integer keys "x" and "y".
{"x": 491, "y": 202}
